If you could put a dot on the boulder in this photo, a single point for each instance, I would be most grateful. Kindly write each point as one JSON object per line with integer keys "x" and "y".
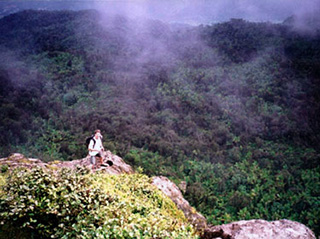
{"x": 118, "y": 165}
{"x": 173, "y": 192}
{"x": 260, "y": 229}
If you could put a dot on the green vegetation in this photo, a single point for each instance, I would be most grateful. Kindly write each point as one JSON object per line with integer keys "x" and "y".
{"x": 270, "y": 181}
{"x": 42, "y": 203}
{"x": 232, "y": 108}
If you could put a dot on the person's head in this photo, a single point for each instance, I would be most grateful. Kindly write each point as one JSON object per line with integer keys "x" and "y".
{"x": 97, "y": 133}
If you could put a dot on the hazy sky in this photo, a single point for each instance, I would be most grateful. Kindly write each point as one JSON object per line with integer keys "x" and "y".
{"x": 210, "y": 11}
{"x": 187, "y": 11}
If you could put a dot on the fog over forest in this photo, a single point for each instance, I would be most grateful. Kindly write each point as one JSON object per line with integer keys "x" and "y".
{"x": 181, "y": 11}
{"x": 222, "y": 95}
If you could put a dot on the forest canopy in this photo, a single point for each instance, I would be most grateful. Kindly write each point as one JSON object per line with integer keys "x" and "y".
{"x": 230, "y": 108}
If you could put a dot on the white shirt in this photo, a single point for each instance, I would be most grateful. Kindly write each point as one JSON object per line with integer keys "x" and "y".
{"x": 97, "y": 146}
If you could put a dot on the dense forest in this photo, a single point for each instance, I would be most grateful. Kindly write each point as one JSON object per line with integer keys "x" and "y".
{"x": 232, "y": 108}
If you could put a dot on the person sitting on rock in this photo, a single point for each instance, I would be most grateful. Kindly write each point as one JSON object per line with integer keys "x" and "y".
{"x": 96, "y": 149}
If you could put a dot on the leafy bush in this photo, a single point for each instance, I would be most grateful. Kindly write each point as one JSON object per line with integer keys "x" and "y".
{"x": 4, "y": 168}
{"x": 42, "y": 203}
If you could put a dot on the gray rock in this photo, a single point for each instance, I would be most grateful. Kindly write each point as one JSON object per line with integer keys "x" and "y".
{"x": 260, "y": 229}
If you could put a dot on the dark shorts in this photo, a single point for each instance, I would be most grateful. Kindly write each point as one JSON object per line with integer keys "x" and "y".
{"x": 93, "y": 158}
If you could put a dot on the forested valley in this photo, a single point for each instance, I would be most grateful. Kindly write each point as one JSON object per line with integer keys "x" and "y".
{"x": 231, "y": 108}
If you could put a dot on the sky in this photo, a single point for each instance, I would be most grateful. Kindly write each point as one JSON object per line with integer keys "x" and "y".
{"x": 192, "y": 12}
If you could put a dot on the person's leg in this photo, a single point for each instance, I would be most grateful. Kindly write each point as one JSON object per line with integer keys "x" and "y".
{"x": 93, "y": 162}
{"x": 99, "y": 159}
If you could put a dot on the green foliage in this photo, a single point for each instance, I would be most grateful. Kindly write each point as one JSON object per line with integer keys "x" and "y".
{"x": 40, "y": 203}
{"x": 4, "y": 168}
{"x": 2, "y": 182}
{"x": 152, "y": 163}
{"x": 195, "y": 100}
{"x": 232, "y": 108}
{"x": 246, "y": 190}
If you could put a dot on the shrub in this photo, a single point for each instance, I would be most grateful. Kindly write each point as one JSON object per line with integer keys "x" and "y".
{"x": 4, "y": 168}
{"x": 62, "y": 203}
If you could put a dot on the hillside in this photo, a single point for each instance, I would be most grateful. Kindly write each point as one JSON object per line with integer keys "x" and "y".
{"x": 230, "y": 108}
{"x": 60, "y": 200}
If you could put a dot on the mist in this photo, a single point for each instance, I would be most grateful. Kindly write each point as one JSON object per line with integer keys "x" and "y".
{"x": 186, "y": 11}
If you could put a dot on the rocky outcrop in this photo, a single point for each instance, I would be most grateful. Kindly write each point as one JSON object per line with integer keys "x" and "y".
{"x": 118, "y": 167}
{"x": 19, "y": 160}
{"x": 260, "y": 229}
{"x": 173, "y": 192}
{"x": 252, "y": 229}
{"x": 118, "y": 164}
